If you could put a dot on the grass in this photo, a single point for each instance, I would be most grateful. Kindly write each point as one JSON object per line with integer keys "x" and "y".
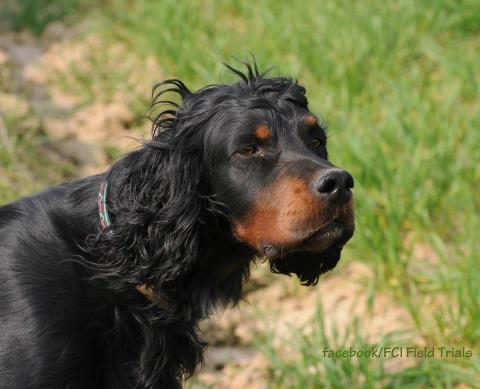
{"x": 398, "y": 83}
{"x": 35, "y": 15}
{"x": 359, "y": 362}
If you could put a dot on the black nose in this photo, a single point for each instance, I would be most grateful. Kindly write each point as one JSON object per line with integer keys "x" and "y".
{"x": 335, "y": 185}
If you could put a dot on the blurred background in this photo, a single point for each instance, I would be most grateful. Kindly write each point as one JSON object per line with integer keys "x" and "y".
{"x": 397, "y": 82}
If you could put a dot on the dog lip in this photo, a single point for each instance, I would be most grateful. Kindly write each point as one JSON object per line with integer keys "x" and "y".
{"x": 324, "y": 237}
{"x": 270, "y": 251}
{"x": 332, "y": 234}
{"x": 332, "y": 227}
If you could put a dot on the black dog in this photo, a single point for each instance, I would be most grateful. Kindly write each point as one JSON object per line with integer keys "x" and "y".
{"x": 103, "y": 280}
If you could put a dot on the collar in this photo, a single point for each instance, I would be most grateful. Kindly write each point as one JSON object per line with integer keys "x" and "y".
{"x": 102, "y": 206}
{"x": 104, "y": 219}
{"x": 153, "y": 297}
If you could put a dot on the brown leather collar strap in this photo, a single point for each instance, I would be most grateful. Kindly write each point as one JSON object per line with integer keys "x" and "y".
{"x": 149, "y": 294}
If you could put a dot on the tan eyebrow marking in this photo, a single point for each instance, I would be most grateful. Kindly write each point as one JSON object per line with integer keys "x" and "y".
{"x": 311, "y": 120}
{"x": 262, "y": 132}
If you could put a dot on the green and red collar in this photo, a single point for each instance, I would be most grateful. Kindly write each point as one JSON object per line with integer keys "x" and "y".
{"x": 102, "y": 206}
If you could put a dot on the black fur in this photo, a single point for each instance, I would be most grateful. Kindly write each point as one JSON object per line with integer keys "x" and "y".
{"x": 70, "y": 314}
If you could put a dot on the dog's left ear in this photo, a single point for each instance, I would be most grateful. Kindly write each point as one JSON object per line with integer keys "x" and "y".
{"x": 308, "y": 266}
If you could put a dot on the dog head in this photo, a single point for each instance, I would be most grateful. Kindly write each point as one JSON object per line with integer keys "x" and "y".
{"x": 264, "y": 157}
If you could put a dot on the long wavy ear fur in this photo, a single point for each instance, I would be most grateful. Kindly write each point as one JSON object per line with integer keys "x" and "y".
{"x": 158, "y": 203}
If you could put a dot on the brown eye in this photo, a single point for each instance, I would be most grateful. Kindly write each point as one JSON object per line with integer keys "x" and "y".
{"x": 317, "y": 143}
{"x": 249, "y": 150}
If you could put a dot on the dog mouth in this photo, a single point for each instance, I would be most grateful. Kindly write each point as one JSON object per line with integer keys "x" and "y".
{"x": 333, "y": 235}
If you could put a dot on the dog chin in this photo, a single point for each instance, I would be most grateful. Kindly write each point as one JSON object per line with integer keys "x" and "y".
{"x": 307, "y": 265}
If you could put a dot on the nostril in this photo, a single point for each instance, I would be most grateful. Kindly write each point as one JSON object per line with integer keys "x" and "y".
{"x": 327, "y": 185}
{"x": 349, "y": 184}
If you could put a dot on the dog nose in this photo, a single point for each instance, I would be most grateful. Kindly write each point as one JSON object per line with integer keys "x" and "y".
{"x": 335, "y": 185}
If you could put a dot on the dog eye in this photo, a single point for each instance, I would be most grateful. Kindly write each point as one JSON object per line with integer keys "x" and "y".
{"x": 317, "y": 143}
{"x": 249, "y": 150}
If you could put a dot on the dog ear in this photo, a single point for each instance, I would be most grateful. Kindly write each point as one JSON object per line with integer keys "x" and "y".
{"x": 157, "y": 214}
{"x": 159, "y": 205}
{"x": 308, "y": 266}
